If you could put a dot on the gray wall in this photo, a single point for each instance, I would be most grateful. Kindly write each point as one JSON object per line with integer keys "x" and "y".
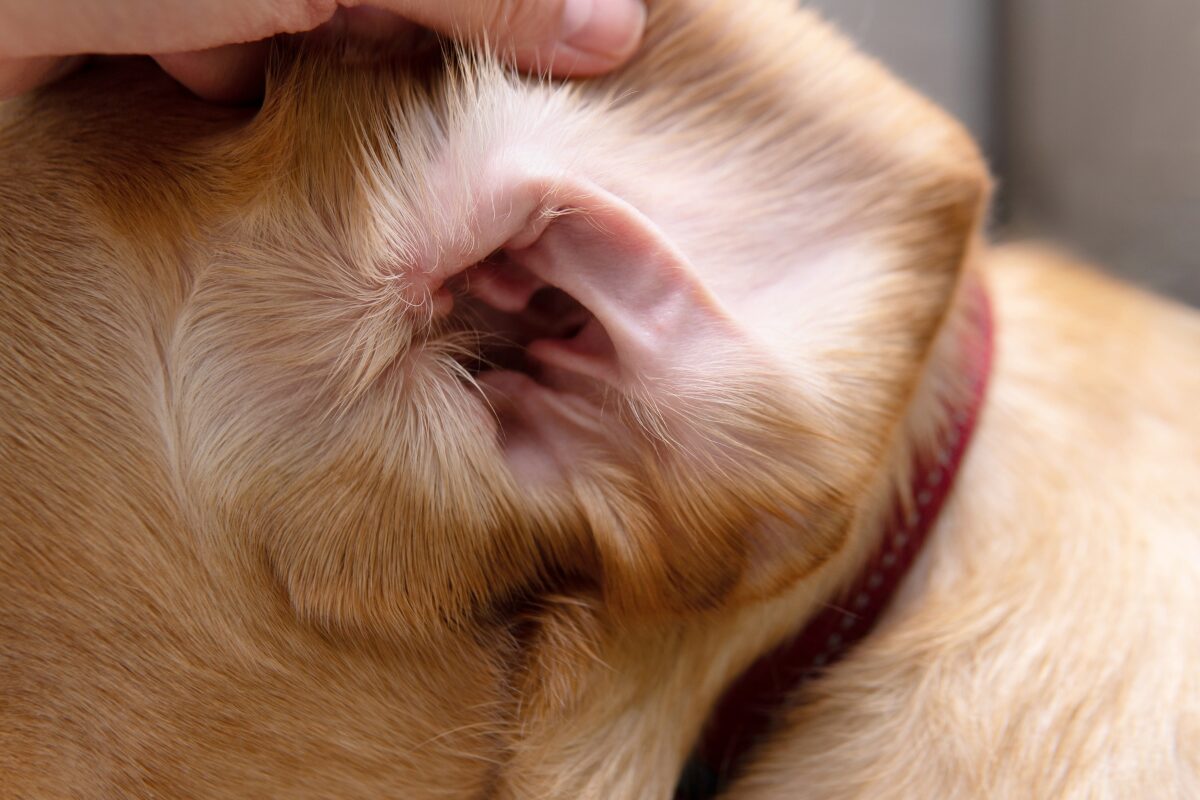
{"x": 1089, "y": 110}
{"x": 1102, "y": 132}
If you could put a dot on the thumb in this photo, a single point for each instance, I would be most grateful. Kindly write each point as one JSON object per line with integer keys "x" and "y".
{"x": 576, "y": 37}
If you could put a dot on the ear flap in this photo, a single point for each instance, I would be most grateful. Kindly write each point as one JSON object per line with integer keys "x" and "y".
{"x": 675, "y": 432}
{"x": 720, "y": 420}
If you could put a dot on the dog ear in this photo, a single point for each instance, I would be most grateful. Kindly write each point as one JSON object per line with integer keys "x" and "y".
{"x": 746, "y": 417}
{"x": 757, "y": 318}
{"x": 667, "y": 420}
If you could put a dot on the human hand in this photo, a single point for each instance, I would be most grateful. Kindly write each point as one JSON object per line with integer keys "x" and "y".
{"x": 217, "y": 48}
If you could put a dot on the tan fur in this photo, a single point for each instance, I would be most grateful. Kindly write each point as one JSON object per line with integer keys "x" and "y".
{"x": 258, "y": 532}
{"x": 1044, "y": 647}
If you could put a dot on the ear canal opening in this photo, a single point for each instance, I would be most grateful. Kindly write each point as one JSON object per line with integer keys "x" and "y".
{"x": 522, "y": 324}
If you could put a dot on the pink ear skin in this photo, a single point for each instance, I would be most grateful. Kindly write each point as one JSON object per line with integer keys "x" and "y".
{"x": 506, "y": 287}
{"x": 646, "y": 299}
{"x": 649, "y": 323}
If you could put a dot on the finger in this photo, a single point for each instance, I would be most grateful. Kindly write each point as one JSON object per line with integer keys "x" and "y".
{"x": 578, "y": 37}
{"x": 50, "y": 27}
{"x": 19, "y": 75}
{"x": 371, "y": 24}
{"x": 234, "y": 73}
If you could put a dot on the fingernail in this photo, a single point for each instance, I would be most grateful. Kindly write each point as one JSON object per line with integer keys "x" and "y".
{"x": 603, "y": 27}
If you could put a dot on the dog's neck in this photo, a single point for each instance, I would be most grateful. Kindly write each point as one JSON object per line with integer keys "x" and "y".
{"x": 746, "y": 709}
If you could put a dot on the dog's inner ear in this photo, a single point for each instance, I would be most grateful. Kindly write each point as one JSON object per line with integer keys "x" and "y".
{"x": 596, "y": 306}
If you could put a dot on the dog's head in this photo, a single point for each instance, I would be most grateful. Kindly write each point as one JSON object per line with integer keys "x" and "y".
{"x": 350, "y": 390}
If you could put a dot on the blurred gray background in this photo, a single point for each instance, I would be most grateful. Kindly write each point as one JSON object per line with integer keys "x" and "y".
{"x": 1088, "y": 109}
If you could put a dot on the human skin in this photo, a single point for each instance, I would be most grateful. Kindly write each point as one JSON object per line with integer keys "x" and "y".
{"x": 217, "y": 48}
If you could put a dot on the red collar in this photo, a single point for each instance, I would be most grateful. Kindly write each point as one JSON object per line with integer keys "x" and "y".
{"x": 745, "y": 711}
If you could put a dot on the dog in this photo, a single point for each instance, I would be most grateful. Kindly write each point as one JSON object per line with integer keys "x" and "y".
{"x": 437, "y": 432}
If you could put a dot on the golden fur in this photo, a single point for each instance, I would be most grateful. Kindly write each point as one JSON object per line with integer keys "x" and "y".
{"x": 262, "y": 533}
